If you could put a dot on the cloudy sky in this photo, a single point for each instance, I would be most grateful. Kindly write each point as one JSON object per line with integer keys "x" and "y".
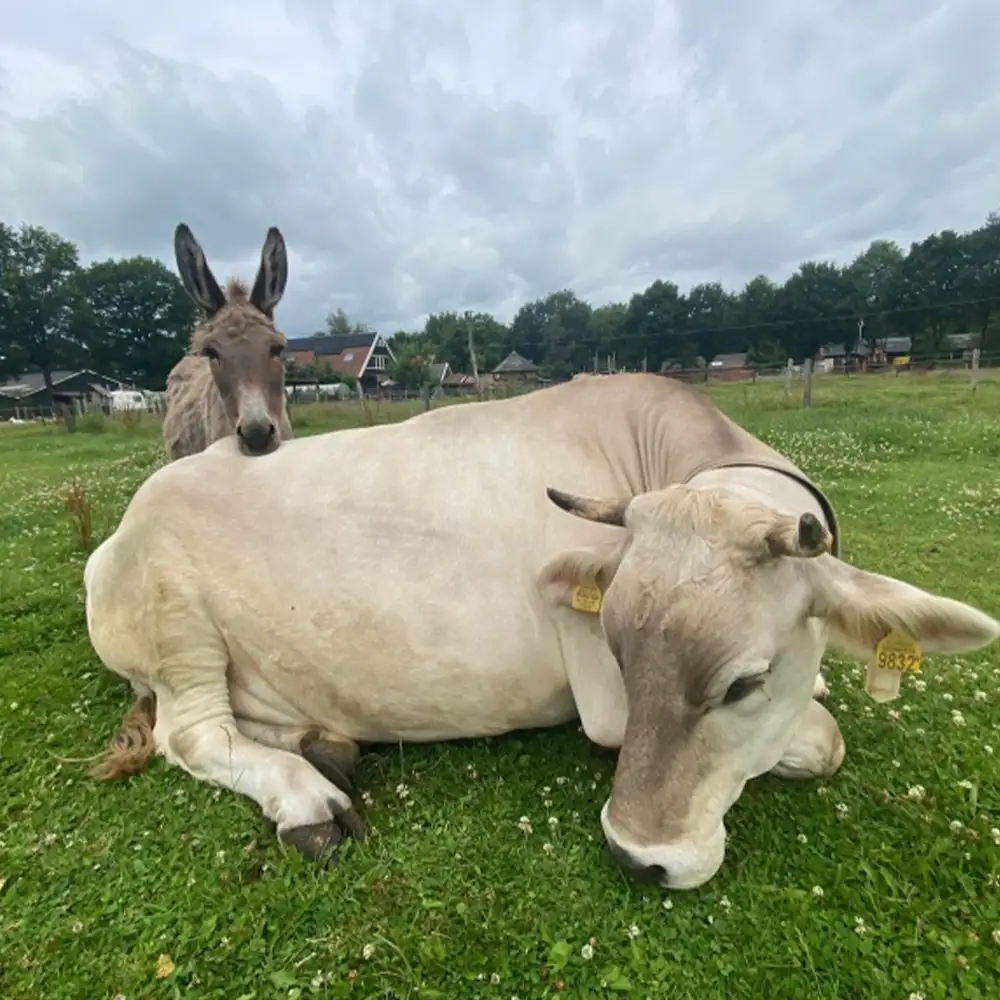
{"x": 423, "y": 155}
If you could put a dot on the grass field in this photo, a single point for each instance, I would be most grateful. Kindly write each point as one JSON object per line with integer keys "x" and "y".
{"x": 881, "y": 882}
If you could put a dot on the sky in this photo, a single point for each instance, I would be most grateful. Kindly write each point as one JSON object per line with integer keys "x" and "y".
{"x": 426, "y": 155}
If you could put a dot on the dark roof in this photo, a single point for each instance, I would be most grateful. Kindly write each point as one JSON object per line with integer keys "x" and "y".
{"x": 959, "y": 341}
{"x": 860, "y": 350}
{"x": 29, "y": 383}
{"x": 896, "y": 345}
{"x": 729, "y": 360}
{"x": 331, "y": 344}
{"x": 513, "y": 364}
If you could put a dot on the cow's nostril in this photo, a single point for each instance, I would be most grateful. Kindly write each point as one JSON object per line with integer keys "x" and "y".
{"x": 636, "y": 869}
{"x": 649, "y": 873}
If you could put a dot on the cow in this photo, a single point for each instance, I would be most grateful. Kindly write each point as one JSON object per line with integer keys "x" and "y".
{"x": 611, "y": 549}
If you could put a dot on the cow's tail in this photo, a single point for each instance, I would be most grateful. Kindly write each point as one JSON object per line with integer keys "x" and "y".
{"x": 134, "y": 746}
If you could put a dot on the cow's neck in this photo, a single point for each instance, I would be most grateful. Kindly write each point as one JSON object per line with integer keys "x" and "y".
{"x": 684, "y": 438}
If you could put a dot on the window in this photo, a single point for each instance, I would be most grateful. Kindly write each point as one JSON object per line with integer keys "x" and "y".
{"x": 348, "y": 355}
{"x": 378, "y": 362}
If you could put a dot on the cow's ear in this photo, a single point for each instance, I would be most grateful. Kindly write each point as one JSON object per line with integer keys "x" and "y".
{"x": 585, "y": 569}
{"x": 862, "y": 608}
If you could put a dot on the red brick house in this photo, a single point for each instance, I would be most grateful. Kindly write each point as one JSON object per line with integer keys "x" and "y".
{"x": 365, "y": 356}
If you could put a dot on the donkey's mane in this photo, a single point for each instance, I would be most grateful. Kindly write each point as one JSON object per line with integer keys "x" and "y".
{"x": 237, "y": 290}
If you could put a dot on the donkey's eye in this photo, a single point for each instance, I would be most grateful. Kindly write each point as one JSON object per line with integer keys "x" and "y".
{"x": 276, "y": 350}
{"x": 211, "y": 353}
{"x": 741, "y": 687}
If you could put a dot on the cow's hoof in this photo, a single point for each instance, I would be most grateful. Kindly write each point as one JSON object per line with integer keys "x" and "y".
{"x": 316, "y": 841}
{"x": 337, "y": 762}
{"x": 320, "y": 840}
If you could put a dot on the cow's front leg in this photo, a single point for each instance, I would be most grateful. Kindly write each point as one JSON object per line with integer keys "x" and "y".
{"x": 333, "y": 756}
{"x": 817, "y": 747}
{"x": 196, "y": 730}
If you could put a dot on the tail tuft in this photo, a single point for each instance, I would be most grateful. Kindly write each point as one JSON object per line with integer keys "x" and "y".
{"x": 134, "y": 746}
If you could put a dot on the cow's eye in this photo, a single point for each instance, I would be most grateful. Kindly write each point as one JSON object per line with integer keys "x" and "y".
{"x": 211, "y": 353}
{"x": 741, "y": 687}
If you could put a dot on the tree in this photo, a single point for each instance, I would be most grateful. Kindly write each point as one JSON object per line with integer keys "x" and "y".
{"x": 816, "y": 299}
{"x": 607, "y": 326}
{"x": 37, "y": 301}
{"x": 338, "y": 323}
{"x": 982, "y": 275}
{"x": 932, "y": 280}
{"x": 655, "y": 328}
{"x": 756, "y": 314}
{"x": 711, "y": 311}
{"x": 874, "y": 276}
{"x": 134, "y": 316}
{"x": 410, "y": 370}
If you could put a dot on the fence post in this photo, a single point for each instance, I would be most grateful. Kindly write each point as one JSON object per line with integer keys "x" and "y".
{"x": 807, "y": 389}
{"x": 974, "y": 370}
{"x": 788, "y": 378}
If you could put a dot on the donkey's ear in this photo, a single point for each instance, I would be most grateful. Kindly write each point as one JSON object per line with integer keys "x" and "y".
{"x": 269, "y": 285}
{"x": 197, "y": 276}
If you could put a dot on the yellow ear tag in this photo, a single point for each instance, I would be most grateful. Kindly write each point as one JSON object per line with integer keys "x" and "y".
{"x": 587, "y": 598}
{"x": 896, "y": 653}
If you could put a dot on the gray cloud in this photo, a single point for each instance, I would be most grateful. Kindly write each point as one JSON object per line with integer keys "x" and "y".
{"x": 427, "y": 155}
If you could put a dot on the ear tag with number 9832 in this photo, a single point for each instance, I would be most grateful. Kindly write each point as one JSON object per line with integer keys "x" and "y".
{"x": 896, "y": 653}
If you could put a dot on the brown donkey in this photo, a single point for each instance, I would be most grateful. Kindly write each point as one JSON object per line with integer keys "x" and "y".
{"x": 233, "y": 377}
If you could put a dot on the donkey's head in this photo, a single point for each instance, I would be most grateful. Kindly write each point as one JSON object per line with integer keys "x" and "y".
{"x": 238, "y": 337}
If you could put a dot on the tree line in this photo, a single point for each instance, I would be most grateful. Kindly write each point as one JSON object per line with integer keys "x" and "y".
{"x": 130, "y": 318}
{"x": 946, "y": 283}
{"x": 127, "y": 318}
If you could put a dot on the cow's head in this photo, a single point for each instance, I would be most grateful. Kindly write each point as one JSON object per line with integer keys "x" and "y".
{"x": 718, "y": 611}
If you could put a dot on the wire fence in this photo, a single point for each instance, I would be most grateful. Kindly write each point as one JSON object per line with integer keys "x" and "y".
{"x": 973, "y": 368}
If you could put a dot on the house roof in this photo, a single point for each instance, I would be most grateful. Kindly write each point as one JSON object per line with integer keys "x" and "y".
{"x": 321, "y": 343}
{"x": 896, "y": 345}
{"x": 514, "y": 363}
{"x": 729, "y": 360}
{"x": 28, "y": 383}
{"x": 458, "y": 379}
{"x": 962, "y": 341}
{"x": 345, "y": 354}
{"x": 859, "y": 350}
{"x": 439, "y": 371}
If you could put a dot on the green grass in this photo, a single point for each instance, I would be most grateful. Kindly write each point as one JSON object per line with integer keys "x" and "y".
{"x": 97, "y": 881}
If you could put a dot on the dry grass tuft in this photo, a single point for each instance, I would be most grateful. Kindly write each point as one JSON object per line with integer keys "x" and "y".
{"x": 131, "y": 419}
{"x": 80, "y": 512}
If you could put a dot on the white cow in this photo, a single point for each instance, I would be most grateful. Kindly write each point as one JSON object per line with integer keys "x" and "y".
{"x": 414, "y": 582}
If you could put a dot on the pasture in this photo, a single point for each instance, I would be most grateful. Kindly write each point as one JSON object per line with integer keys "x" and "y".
{"x": 486, "y": 875}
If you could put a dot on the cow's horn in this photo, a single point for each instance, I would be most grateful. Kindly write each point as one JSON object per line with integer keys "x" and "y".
{"x": 805, "y": 538}
{"x": 602, "y": 511}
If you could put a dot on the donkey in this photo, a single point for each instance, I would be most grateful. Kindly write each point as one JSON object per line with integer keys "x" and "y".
{"x": 233, "y": 377}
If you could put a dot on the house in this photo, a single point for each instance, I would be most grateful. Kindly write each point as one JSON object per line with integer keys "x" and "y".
{"x": 82, "y": 387}
{"x": 514, "y": 369}
{"x": 728, "y": 367}
{"x": 959, "y": 346}
{"x": 838, "y": 357}
{"x": 457, "y": 384}
{"x": 892, "y": 351}
{"x": 364, "y": 356}
{"x": 438, "y": 372}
